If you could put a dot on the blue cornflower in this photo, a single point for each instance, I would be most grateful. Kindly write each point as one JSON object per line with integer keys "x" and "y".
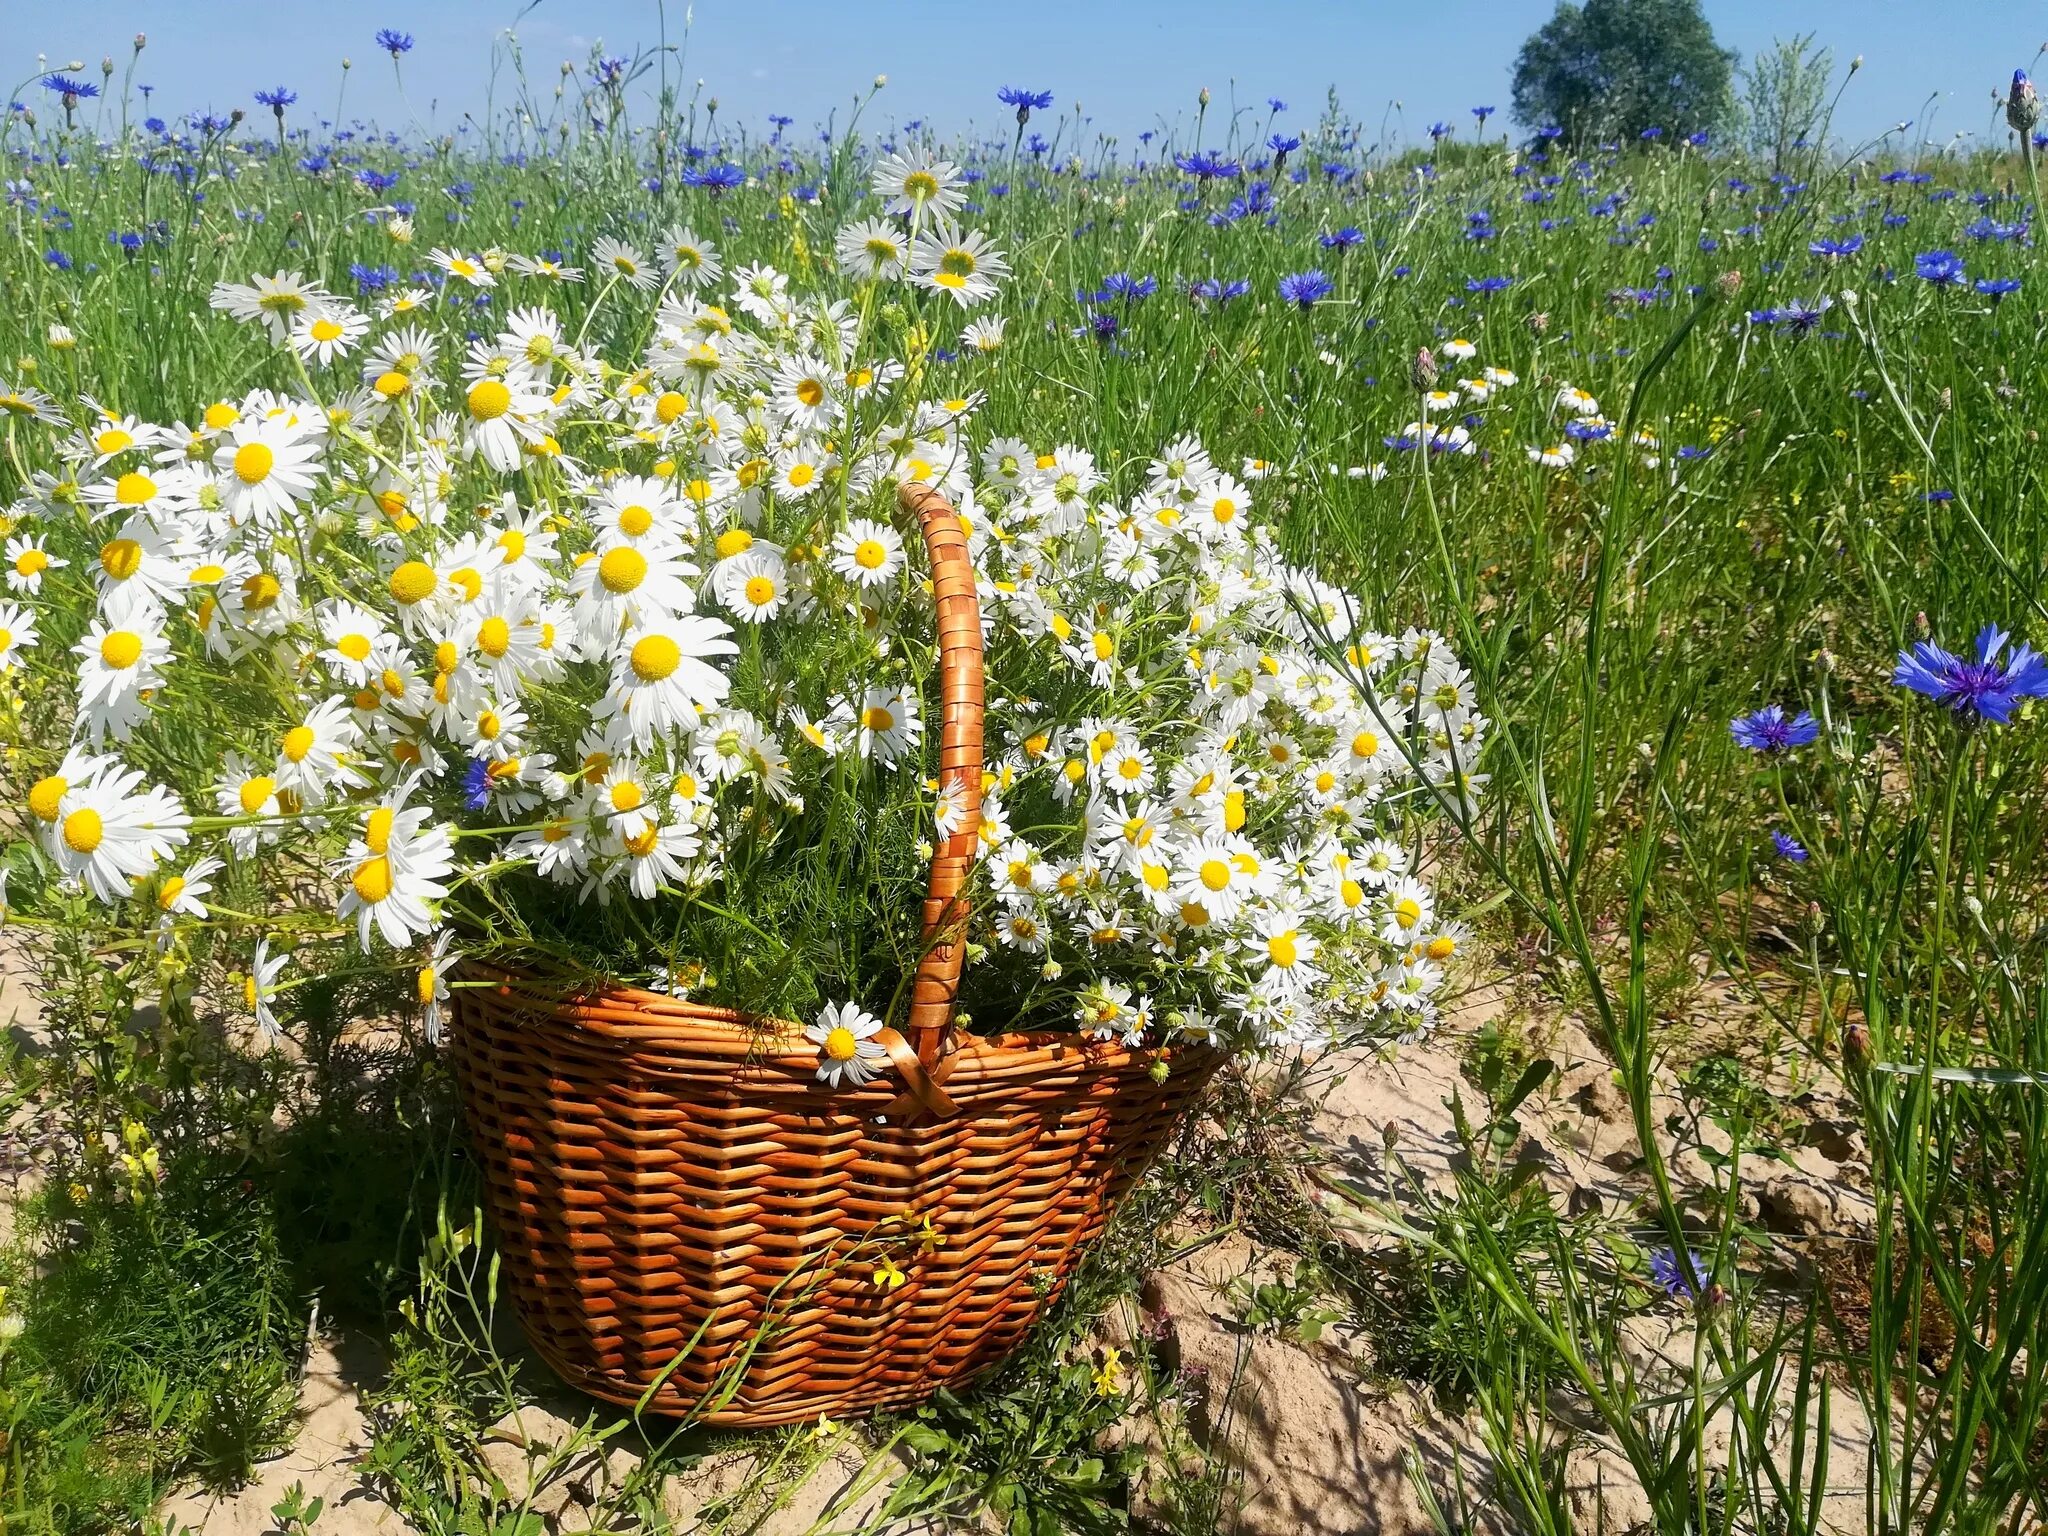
{"x": 1997, "y": 287}
{"x": 1276, "y": 104}
{"x": 1487, "y": 284}
{"x": 1026, "y": 102}
{"x": 73, "y": 91}
{"x": 1848, "y": 247}
{"x": 1691, "y": 451}
{"x": 1770, "y": 729}
{"x": 1482, "y": 113}
{"x": 716, "y": 178}
{"x": 57, "y": 259}
{"x": 1302, "y": 289}
{"x": 376, "y": 181}
{"x": 1342, "y": 239}
{"x": 1214, "y": 290}
{"x": 1121, "y": 285}
{"x": 1440, "y": 130}
{"x": 393, "y": 41}
{"x": 1940, "y": 268}
{"x": 1984, "y": 688}
{"x": 1103, "y": 324}
{"x": 1283, "y": 145}
{"x": 277, "y": 99}
{"x": 476, "y": 784}
{"x": 1679, "y": 1275}
{"x": 608, "y": 72}
{"x": 1652, "y": 132}
{"x": 1788, "y": 847}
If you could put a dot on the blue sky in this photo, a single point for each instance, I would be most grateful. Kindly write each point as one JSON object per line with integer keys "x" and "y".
{"x": 1128, "y": 64}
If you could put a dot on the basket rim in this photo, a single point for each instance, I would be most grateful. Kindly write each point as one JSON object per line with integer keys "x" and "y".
{"x": 575, "y": 1002}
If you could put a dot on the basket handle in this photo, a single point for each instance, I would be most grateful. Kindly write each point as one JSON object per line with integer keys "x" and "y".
{"x": 961, "y": 698}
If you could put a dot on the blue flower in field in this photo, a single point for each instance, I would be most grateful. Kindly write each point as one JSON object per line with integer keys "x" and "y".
{"x": 1770, "y": 729}
{"x": 1788, "y": 847}
{"x": 1283, "y": 145}
{"x": 1679, "y": 1274}
{"x": 277, "y": 99}
{"x": 1214, "y": 290}
{"x": 1302, "y": 289}
{"x": 608, "y": 72}
{"x": 1689, "y": 451}
{"x": 376, "y": 181}
{"x": 73, "y": 91}
{"x": 1550, "y": 131}
{"x": 1026, "y": 102}
{"x": 1104, "y": 325}
{"x": 1652, "y": 132}
{"x": 393, "y": 41}
{"x": 1984, "y": 688}
{"x": 1342, "y": 239}
{"x": 1482, "y": 113}
{"x": 476, "y": 784}
{"x": 1440, "y": 131}
{"x": 1997, "y": 287}
{"x": 1940, "y": 268}
{"x": 1698, "y": 140}
{"x": 716, "y": 178}
{"x": 1205, "y": 166}
{"x": 1837, "y": 248}
{"x": 1488, "y": 284}
{"x": 1276, "y": 104}
{"x": 1121, "y": 285}
{"x": 57, "y": 259}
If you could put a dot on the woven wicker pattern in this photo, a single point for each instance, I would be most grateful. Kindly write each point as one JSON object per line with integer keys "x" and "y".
{"x": 669, "y": 1180}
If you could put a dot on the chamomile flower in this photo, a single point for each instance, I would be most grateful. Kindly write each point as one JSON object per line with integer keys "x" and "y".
{"x": 848, "y": 1052}
{"x": 17, "y": 634}
{"x": 692, "y": 262}
{"x": 867, "y": 553}
{"x": 873, "y": 248}
{"x": 959, "y": 263}
{"x": 28, "y": 560}
{"x": 916, "y": 182}
{"x": 118, "y": 665}
{"x": 327, "y": 332}
{"x": 469, "y": 268}
{"x": 754, "y": 585}
{"x": 662, "y": 677}
{"x": 275, "y": 302}
{"x": 263, "y": 468}
{"x": 260, "y": 985}
{"x": 318, "y": 752}
{"x": 394, "y": 871}
{"x": 112, "y": 833}
{"x": 618, "y": 261}
{"x": 885, "y": 726}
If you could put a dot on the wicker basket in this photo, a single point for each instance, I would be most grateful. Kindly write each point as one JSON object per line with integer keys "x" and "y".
{"x": 688, "y": 1218}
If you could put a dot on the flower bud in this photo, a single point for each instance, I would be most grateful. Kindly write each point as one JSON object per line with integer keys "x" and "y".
{"x": 141, "y": 41}
{"x": 1538, "y": 323}
{"x": 106, "y": 65}
{"x": 2022, "y": 106}
{"x": 1729, "y": 284}
{"x": 1203, "y": 98}
{"x": 1422, "y": 372}
{"x": 881, "y": 81}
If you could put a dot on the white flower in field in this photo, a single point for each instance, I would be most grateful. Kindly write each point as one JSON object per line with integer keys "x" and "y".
{"x": 274, "y": 301}
{"x": 801, "y": 470}
{"x": 407, "y": 301}
{"x": 46, "y": 795}
{"x": 916, "y": 182}
{"x": 1405, "y": 911}
{"x": 181, "y": 895}
{"x": 327, "y": 331}
{"x": 1459, "y": 348}
{"x": 958, "y": 262}
{"x": 394, "y": 869}
{"x": 628, "y": 585}
{"x": 848, "y": 1052}
{"x": 984, "y": 335}
{"x": 259, "y": 986}
{"x": 20, "y": 402}
{"x": 352, "y": 634}
{"x": 763, "y": 293}
{"x": 430, "y": 984}
{"x": 17, "y": 634}
{"x": 884, "y": 727}
{"x": 1500, "y": 378}
{"x": 692, "y": 262}
{"x": 107, "y": 836}
{"x": 1220, "y": 510}
{"x": 638, "y": 510}
{"x": 1556, "y": 456}
{"x": 140, "y": 571}
{"x": 318, "y": 753}
{"x": 490, "y": 727}
{"x": 499, "y": 416}
{"x": 1104, "y": 1011}
{"x": 543, "y": 267}
{"x": 116, "y": 666}
{"x": 867, "y": 553}
{"x": 150, "y": 490}
{"x": 873, "y": 248}
{"x": 1284, "y": 948}
{"x": 1437, "y": 400}
{"x": 263, "y": 467}
{"x": 620, "y": 261}
{"x": 801, "y": 394}
{"x": 27, "y": 560}
{"x": 469, "y": 268}
{"x": 1218, "y": 874}
{"x": 662, "y": 677}
{"x": 532, "y": 339}
{"x": 110, "y": 437}
{"x": 754, "y": 585}
{"x": 1577, "y": 401}
{"x": 653, "y": 856}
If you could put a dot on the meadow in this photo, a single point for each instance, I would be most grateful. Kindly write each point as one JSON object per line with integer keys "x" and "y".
{"x": 1718, "y": 475}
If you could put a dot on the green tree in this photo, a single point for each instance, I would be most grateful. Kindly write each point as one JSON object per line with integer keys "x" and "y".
{"x": 1609, "y": 69}
{"x": 1785, "y": 93}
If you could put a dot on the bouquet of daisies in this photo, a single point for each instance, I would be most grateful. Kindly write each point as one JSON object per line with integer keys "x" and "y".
{"x": 618, "y": 666}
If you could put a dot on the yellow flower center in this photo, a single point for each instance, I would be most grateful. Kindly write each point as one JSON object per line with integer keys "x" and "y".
{"x": 635, "y": 520}
{"x": 810, "y": 393}
{"x": 372, "y": 880}
{"x": 1284, "y": 948}
{"x": 622, "y": 570}
{"x": 298, "y": 742}
{"x": 31, "y": 562}
{"x": 255, "y": 793}
{"x": 627, "y": 796}
{"x": 869, "y": 554}
{"x": 45, "y": 796}
{"x": 641, "y": 843}
{"x": 377, "y": 830}
{"x": 253, "y": 462}
{"x": 83, "y": 830}
{"x": 760, "y": 590}
{"x": 1441, "y": 948}
{"x": 669, "y": 405}
{"x": 391, "y": 384}
{"x": 1407, "y": 912}
{"x": 206, "y": 575}
{"x": 494, "y": 636}
{"x": 841, "y": 1044}
{"x": 801, "y": 475}
{"x": 414, "y": 582}
{"x": 654, "y": 657}
{"x": 121, "y": 649}
{"x": 172, "y": 889}
{"x": 121, "y": 558}
{"x": 489, "y": 399}
{"x": 260, "y": 591}
{"x": 1215, "y": 874}
{"x": 489, "y": 725}
{"x": 734, "y": 541}
{"x": 325, "y": 329}
{"x": 876, "y": 718}
{"x": 220, "y": 416}
{"x": 132, "y": 489}
{"x": 354, "y": 647}
{"x": 113, "y": 440}
{"x": 513, "y": 542}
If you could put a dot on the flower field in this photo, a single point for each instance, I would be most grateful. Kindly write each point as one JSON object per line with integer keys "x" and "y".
{"x": 1406, "y": 573}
